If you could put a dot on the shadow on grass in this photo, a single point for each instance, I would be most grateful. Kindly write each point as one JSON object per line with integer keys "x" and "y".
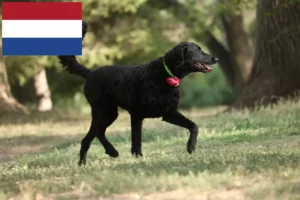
{"x": 216, "y": 162}
{"x": 38, "y": 117}
{"x": 152, "y": 135}
{"x": 213, "y": 158}
{"x": 14, "y": 147}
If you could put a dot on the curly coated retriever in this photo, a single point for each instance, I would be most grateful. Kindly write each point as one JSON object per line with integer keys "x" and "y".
{"x": 149, "y": 90}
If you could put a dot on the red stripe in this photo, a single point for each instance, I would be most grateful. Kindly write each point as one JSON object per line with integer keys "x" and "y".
{"x": 41, "y": 10}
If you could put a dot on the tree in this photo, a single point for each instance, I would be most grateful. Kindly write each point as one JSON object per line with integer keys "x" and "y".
{"x": 42, "y": 91}
{"x": 225, "y": 34}
{"x": 8, "y": 104}
{"x": 276, "y": 66}
{"x": 236, "y": 60}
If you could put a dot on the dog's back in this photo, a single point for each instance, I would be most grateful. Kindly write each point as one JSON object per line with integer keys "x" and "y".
{"x": 116, "y": 83}
{"x": 132, "y": 88}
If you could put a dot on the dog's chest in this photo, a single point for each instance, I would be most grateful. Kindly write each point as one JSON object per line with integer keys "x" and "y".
{"x": 155, "y": 100}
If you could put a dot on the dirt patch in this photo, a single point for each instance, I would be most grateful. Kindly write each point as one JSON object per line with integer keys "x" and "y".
{"x": 221, "y": 194}
{"x": 183, "y": 194}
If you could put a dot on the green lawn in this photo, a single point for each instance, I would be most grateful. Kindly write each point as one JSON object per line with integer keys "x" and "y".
{"x": 240, "y": 155}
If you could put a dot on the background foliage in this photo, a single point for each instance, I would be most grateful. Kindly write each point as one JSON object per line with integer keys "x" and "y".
{"x": 130, "y": 32}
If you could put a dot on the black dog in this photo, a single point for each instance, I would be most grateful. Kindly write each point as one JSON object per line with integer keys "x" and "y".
{"x": 145, "y": 91}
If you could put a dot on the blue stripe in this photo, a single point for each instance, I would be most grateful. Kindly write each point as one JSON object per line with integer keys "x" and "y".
{"x": 41, "y": 46}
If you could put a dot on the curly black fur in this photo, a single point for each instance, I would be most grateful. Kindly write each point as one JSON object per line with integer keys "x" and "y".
{"x": 141, "y": 90}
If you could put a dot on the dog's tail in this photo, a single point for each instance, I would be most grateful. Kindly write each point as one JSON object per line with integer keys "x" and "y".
{"x": 71, "y": 64}
{"x": 74, "y": 67}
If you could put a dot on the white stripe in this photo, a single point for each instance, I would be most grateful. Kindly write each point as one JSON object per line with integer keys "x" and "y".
{"x": 41, "y": 28}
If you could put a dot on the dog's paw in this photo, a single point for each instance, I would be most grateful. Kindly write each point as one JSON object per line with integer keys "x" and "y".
{"x": 190, "y": 150}
{"x": 191, "y": 146}
{"x": 112, "y": 153}
{"x": 137, "y": 152}
{"x": 81, "y": 163}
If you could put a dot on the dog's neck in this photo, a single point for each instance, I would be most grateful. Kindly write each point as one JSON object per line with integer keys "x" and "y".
{"x": 171, "y": 67}
{"x": 158, "y": 70}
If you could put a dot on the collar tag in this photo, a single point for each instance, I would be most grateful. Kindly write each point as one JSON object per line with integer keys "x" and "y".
{"x": 173, "y": 81}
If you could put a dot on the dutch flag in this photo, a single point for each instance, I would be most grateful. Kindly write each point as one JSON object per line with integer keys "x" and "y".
{"x": 41, "y": 28}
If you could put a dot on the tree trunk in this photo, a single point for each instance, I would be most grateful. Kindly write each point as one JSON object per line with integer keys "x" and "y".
{"x": 8, "y": 104}
{"x": 42, "y": 91}
{"x": 276, "y": 66}
{"x": 236, "y": 60}
{"x": 240, "y": 49}
{"x": 225, "y": 62}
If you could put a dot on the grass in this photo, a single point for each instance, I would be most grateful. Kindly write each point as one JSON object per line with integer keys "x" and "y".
{"x": 239, "y": 155}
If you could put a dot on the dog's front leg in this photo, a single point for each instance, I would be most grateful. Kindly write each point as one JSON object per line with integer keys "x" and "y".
{"x": 136, "y": 136}
{"x": 178, "y": 119}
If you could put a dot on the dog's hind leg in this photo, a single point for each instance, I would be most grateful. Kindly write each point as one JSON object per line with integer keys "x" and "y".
{"x": 86, "y": 141}
{"x": 101, "y": 119}
{"x": 178, "y": 119}
{"x": 106, "y": 118}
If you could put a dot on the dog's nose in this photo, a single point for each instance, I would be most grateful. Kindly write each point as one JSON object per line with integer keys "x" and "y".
{"x": 215, "y": 59}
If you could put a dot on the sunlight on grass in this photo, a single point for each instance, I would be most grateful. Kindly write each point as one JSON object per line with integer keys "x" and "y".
{"x": 239, "y": 155}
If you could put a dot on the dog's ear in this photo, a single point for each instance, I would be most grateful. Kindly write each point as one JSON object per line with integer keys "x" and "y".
{"x": 176, "y": 56}
{"x": 181, "y": 50}
{"x": 185, "y": 50}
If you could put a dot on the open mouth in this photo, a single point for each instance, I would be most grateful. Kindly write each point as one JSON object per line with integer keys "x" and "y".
{"x": 201, "y": 67}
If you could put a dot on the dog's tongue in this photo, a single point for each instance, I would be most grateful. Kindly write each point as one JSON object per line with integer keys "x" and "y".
{"x": 201, "y": 66}
{"x": 208, "y": 68}
{"x": 204, "y": 66}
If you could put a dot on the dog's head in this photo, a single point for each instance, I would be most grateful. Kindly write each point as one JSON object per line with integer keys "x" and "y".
{"x": 187, "y": 57}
